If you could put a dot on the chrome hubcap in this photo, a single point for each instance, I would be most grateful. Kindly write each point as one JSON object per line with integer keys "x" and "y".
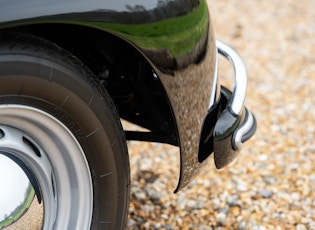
{"x": 54, "y": 167}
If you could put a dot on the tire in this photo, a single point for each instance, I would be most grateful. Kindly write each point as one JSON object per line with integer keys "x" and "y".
{"x": 67, "y": 134}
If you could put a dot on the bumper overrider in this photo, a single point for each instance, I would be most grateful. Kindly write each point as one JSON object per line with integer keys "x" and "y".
{"x": 228, "y": 124}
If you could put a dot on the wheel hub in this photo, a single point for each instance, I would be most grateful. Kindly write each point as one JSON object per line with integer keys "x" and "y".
{"x": 54, "y": 167}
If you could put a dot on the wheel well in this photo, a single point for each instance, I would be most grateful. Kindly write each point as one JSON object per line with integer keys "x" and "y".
{"x": 128, "y": 77}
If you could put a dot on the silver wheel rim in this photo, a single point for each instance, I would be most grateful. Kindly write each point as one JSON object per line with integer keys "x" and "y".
{"x": 55, "y": 160}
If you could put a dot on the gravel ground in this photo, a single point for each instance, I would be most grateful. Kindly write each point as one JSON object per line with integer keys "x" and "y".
{"x": 272, "y": 184}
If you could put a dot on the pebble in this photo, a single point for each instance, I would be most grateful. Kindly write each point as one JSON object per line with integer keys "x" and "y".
{"x": 139, "y": 194}
{"x": 204, "y": 227}
{"x": 300, "y": 227}
{"x": 266, "y": 193}
{"x": 221, "y": 218}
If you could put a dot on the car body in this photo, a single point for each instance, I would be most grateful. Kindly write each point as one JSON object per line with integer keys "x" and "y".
{"x": 158, "y": 61}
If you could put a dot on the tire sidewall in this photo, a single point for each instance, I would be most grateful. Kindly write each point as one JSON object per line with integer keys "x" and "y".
{"x": 71, "y": 94}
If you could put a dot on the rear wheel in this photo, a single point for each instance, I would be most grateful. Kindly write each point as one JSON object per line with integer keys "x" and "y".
{"x": 58, "y": 124}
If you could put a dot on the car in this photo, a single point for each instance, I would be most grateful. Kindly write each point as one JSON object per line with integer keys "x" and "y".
{"x": 71, "y": 70}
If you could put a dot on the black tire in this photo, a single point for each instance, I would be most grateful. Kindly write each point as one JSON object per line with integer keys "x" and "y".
{"x": 39, "y": 80}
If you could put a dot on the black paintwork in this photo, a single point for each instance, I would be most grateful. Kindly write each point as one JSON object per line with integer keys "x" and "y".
{"x": 107, "y": 11}
{"x": 159, "y": 54}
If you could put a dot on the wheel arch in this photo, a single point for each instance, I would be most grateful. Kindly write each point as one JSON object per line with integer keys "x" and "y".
{"x": 104, "y": 51}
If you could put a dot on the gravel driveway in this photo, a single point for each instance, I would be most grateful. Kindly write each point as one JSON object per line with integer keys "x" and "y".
{"x": 272, "y": 185}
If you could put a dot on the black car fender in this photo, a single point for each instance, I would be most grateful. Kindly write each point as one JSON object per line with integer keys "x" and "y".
{"x": 175, "y": 37}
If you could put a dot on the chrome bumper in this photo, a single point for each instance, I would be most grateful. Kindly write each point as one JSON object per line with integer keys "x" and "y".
{"x": 229, "y": 124}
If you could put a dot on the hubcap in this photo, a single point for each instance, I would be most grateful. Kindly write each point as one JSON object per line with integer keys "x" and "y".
{"x": 54, "y": 167}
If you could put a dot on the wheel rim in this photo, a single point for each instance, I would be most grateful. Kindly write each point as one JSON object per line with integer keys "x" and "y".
{"x": 54, "y": 162}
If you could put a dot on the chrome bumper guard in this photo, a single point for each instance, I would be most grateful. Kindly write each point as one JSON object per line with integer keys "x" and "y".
{"x": 229, "y": 124}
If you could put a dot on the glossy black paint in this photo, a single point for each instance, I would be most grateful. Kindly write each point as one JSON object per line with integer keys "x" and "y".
{"x": 224, "y": 153}
{"x": 222, "y": 132}
{"x": 13, "y": 10}
{"x": 174, "y": 37}
{"x": 206, "y": 145}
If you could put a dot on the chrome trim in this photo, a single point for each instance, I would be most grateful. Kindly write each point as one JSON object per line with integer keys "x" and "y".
{"x": 247, "y": 125}
{"x": 215, "y": 82}
{"x": 240, "y": 76}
